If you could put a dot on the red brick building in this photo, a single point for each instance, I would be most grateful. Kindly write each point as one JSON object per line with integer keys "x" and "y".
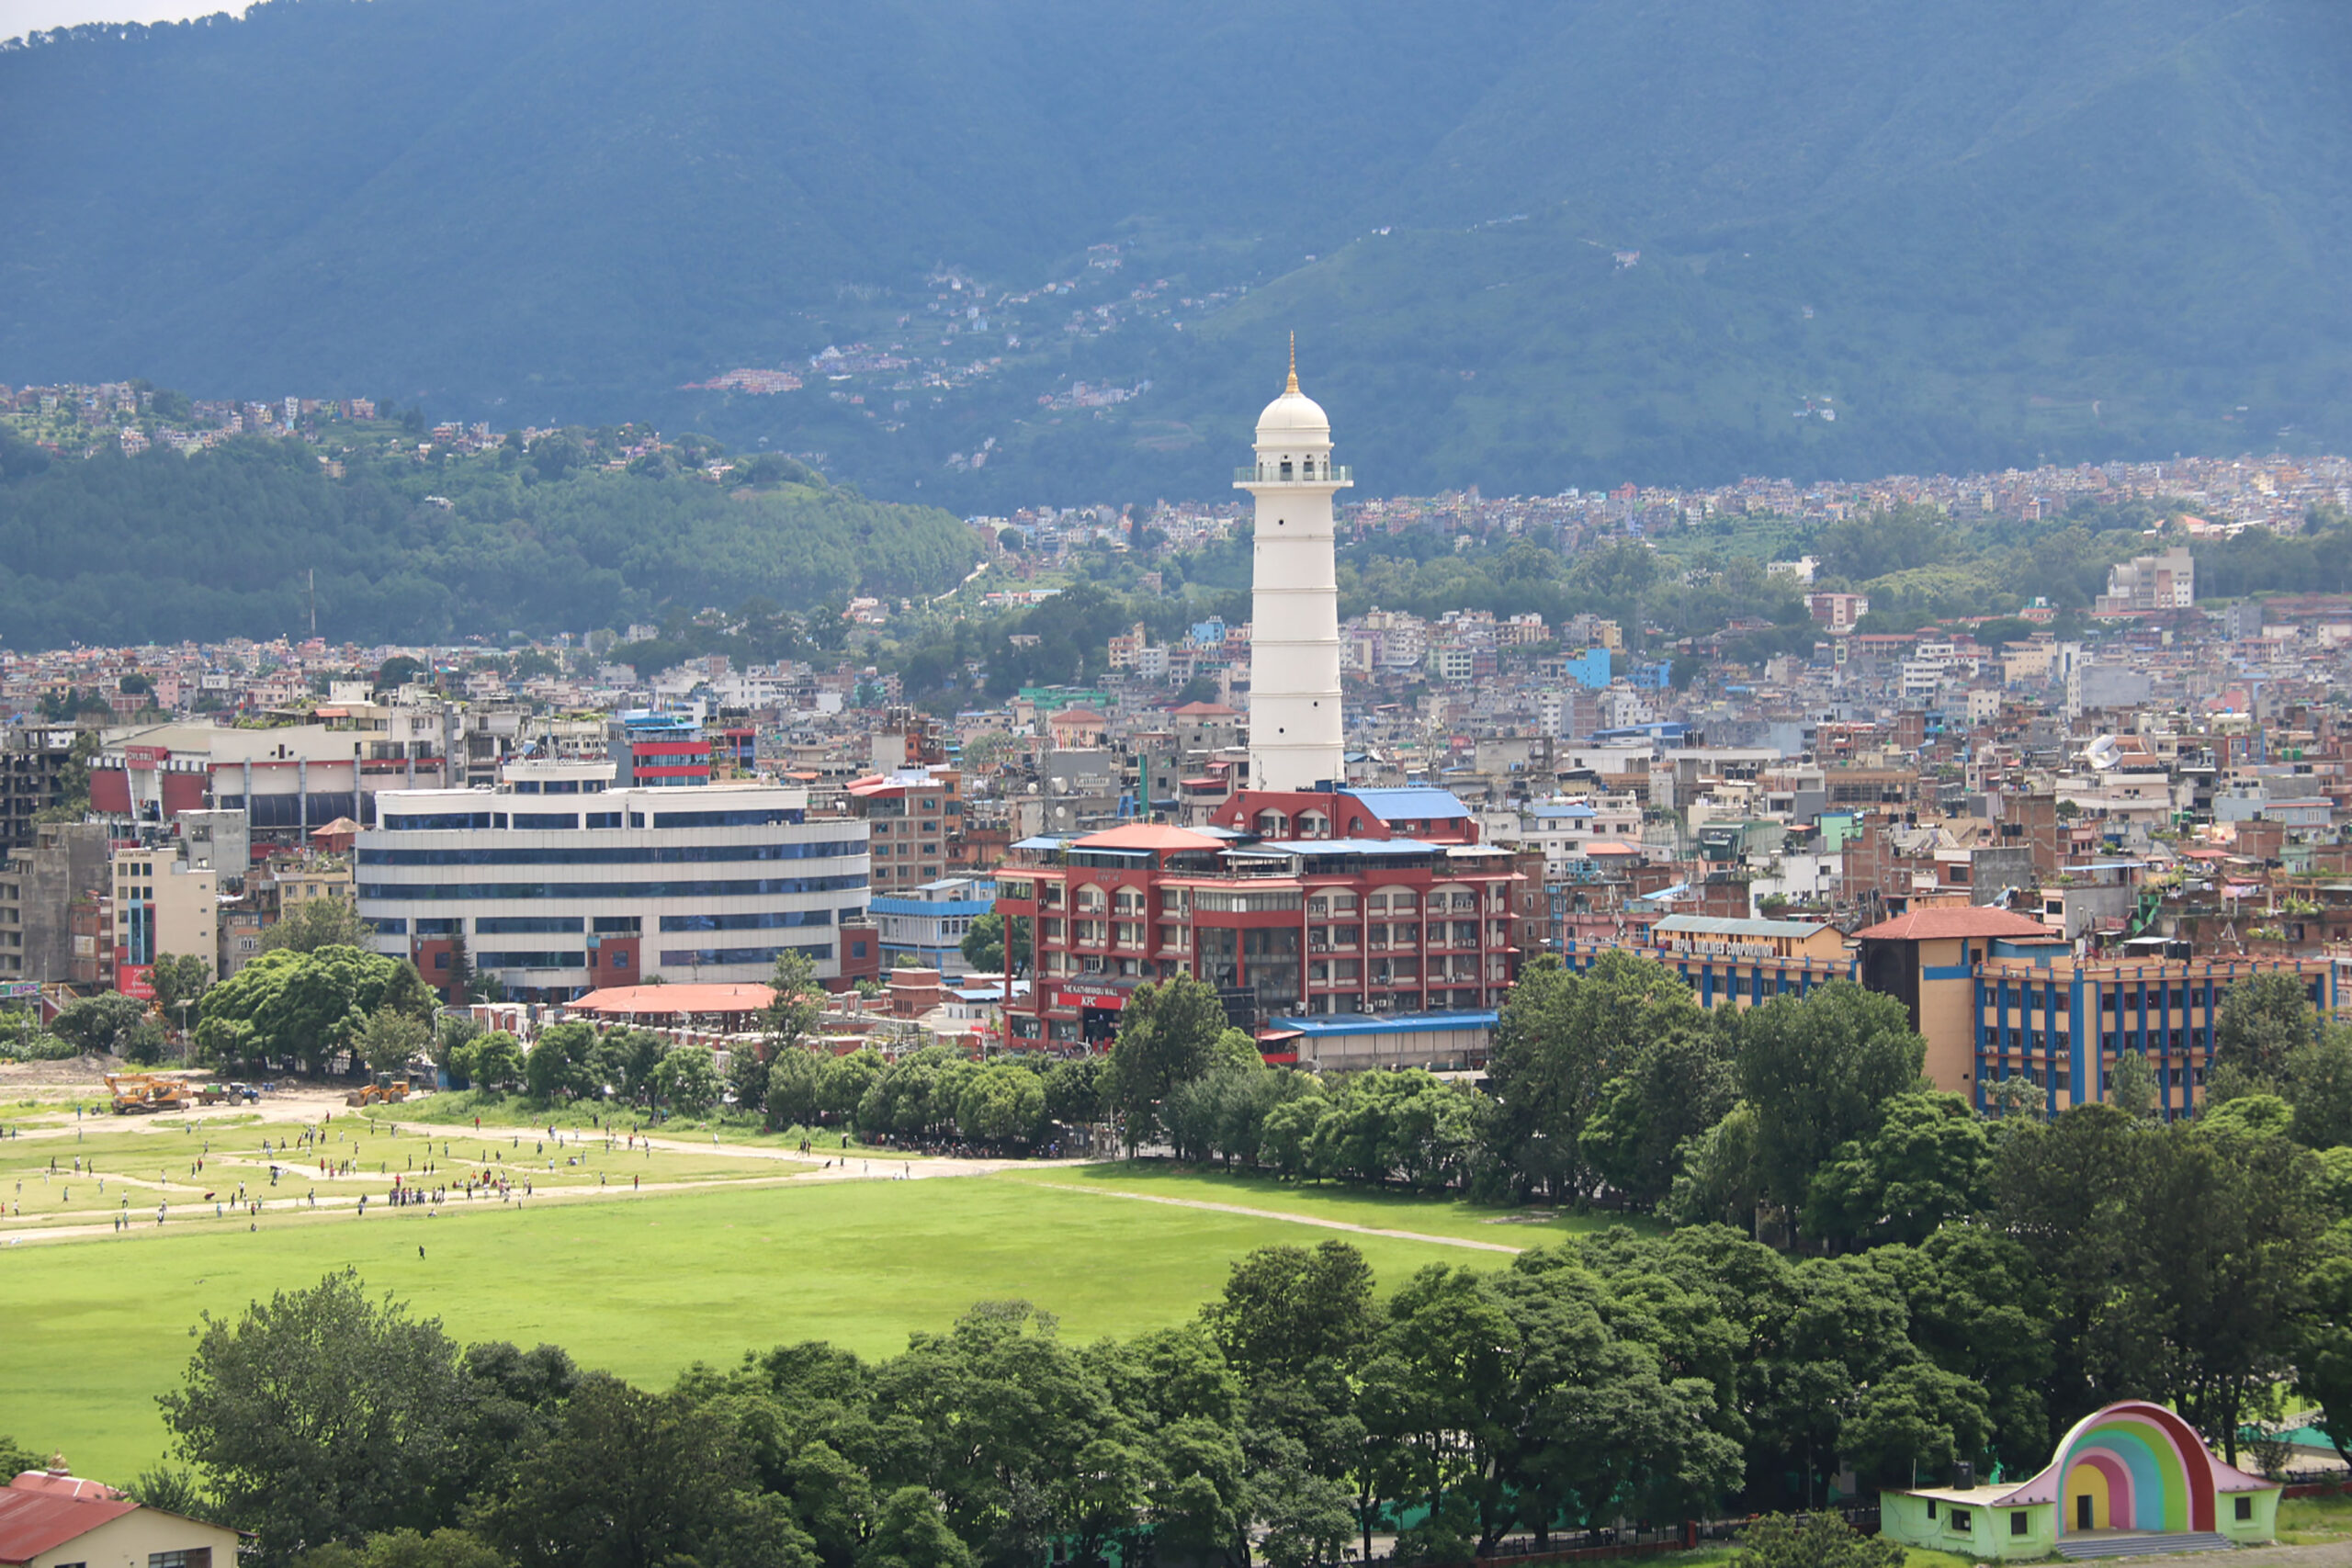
{"x": 1306, "y": 903}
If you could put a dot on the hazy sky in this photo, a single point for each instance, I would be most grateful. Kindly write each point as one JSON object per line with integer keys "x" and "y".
{"x": 18, "y": 18}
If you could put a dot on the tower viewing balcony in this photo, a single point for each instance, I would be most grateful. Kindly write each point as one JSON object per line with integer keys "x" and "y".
{"x": 1271, "y": 472}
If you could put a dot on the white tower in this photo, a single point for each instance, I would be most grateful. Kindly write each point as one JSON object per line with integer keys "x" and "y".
{"x": 1294, "y": 728}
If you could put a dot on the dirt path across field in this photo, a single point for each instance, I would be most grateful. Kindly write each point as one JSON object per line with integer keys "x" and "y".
{"x": 1287, "y": 1216}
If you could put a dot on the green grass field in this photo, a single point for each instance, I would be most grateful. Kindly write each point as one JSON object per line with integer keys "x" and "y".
{"x": 1349, "y": 1205}
{"x": 641, "y": 1287}
{"x": 2313, "y": 1521}
{"x": 86, "y": 1178}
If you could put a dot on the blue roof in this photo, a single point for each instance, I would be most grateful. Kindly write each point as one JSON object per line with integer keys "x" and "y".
{"x": 1387, "y": 1023}
{"x": 887, "y": 906}
{"x": 1412, "y": 804}
{"x": 1572, "y": 808}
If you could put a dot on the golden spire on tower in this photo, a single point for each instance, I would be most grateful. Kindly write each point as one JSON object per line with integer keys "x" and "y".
{"x": 1293, "y": 364}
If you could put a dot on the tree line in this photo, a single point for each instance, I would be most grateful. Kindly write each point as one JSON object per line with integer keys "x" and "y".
{"x": 2205, "y": 1262}
{"x": 161, "y": 546}
{"x": 1621, "y": 1379}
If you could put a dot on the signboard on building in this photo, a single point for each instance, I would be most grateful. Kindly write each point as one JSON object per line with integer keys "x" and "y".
{"x": 145, "y": 759}
{"x": 20, "y": 990}
{"x": 1090, "y": 999}
{"x": 136, "y": 980}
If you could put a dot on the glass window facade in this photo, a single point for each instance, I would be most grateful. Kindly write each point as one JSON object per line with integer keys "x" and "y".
{"x": 760, "y": 920}
{"x": 715, "y": 957}
{"x": 613, "y": 855}
{"x": 742, "y": 888}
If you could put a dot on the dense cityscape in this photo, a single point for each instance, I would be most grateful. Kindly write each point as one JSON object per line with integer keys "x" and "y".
{"x": 1174, "y": 787}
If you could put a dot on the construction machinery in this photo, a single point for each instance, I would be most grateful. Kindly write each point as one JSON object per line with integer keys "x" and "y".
{"x": 386, "y": 1091}
{"x": 144, "y": 1094}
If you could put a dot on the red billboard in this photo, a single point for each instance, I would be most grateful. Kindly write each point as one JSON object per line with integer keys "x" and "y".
{"x": 136, "y": 980}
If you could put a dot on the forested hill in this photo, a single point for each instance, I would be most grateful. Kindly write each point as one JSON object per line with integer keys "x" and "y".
{"x": 161, "y": 548}
{"x": 1525, "y": 246}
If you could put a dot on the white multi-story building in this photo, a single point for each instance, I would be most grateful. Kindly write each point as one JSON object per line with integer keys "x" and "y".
{"x": 557, "y": 883}
{"x": 1566, "y": 830}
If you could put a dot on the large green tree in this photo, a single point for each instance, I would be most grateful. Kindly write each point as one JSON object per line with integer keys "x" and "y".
{"x": 100, "y": 1023}
{"x": 1284, "y": 1309}
{"x": 626, "y": 1478}
{"x": 2068, "y": 1191}
{"x": 2263, "y": 1020}
{"x": 1676, "y": 1088}
{"x": 310, "y": 1006}
{"x": 1563, "y": 1037}
{"x": 1166, "y": 1035}
{"x": 2228, "y": 1218}
{"x": 1925, "y": 1163}
{"x": 1980, "y": 1310}
{"x": 2318, "y": 1084}
{"x": 179, "y": 981}
{"x": 321, "y": 1415}
{"x": 562, "y": 1063}
{"x": 1819, "y": 1069}
{"x": 316, "y": 923}
{"x": 983, "y": 946}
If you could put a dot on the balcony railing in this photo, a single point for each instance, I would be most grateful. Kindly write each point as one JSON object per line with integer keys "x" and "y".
{"x": 1271, "y": 474}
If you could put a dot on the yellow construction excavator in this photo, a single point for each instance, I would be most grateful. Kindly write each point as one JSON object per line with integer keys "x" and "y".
{"x": 144, "y": 1094}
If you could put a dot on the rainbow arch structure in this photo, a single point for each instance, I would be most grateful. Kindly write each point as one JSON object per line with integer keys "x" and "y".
{"x": 2143, "y": 1468}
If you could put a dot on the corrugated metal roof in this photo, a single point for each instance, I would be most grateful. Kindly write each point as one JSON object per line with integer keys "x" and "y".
{"x": 1147, "y": 836}
{"x": 1348, "y": 846}
{"x": 1410, "y": 804}
{"x": 1334, "y": 1023}
{"x": 33, "y": 1522}
{"x": 1724, "y": 925}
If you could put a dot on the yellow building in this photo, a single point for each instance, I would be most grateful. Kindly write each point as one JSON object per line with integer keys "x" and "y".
{"x": 1734, "y": 963}
{"x": 1926, "y": 960}
{"x": 1997, "y": 996}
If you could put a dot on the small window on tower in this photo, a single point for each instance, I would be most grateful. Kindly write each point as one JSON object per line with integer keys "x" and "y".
{"x": 1286, "y": 467}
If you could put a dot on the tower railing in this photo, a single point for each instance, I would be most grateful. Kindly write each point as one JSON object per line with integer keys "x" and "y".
{"x": 1273, "y": 474}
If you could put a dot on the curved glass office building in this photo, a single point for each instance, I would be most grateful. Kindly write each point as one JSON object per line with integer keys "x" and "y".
{"x": 558, "y": 883}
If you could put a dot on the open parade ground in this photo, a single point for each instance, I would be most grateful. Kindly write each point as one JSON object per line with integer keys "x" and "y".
{"x": 639, "y": 1261}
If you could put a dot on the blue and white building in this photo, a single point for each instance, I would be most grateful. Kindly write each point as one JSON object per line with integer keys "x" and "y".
{"x": 927, "y": 924}
{"x": 558, "y": 883}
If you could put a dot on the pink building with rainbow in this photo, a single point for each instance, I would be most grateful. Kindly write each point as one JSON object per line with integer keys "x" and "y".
{"x": 2123, "y": 1477}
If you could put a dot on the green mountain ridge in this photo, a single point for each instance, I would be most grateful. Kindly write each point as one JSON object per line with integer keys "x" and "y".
{"x": 246, "y": 539}
{"x": 1990, "y": 233}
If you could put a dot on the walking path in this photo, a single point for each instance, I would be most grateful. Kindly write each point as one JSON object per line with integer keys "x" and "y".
{"x": 1286, "y": 1215}
{"x": 311, "y": 1108}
